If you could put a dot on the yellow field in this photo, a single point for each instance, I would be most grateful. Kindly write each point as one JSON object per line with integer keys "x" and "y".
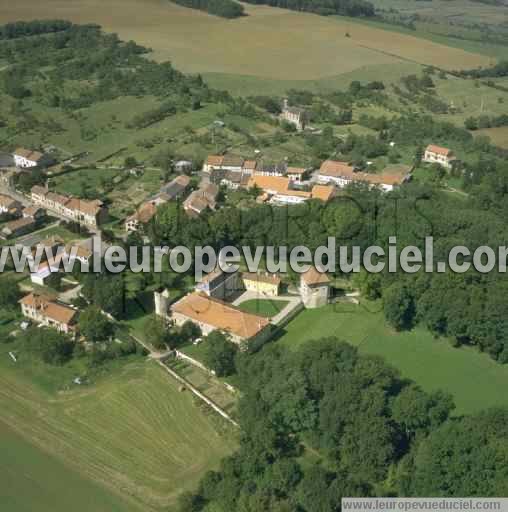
{"x": 270, "y": 43}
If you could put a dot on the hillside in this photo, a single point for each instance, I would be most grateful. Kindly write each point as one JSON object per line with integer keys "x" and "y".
{"x": 280, "y": 44}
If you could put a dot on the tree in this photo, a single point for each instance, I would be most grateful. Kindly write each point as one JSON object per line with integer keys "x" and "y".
{"x": 220, "y": 353}
{"x": 190, "y": 331}
{"x": 94, "y": 325}
{"x": 51, "y": 346}
{"x": 130, "y": 162}
{"x": 9, "y": 293}
{"x": 105, "y": 290}
{"x": 398, "y": 305}
{"x": 157, "y": 333}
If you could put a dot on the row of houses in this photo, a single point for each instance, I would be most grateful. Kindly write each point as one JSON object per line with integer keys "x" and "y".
{"x": 225, "y": 167}
{"x": 91, "y": 213}
{"x": 20, "y": 220}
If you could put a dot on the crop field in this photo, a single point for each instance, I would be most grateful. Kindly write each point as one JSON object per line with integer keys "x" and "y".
{"x": 499, "y": 136}
{"x": 268, "y": 43}
{"x": 130, "y": 441}
{"x": 475, "y": 380}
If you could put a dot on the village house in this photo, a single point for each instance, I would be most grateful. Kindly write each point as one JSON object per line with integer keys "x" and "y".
{"x": 213, "y": 162}
{"x": 18, "y": 227}
{"x": 82, "y": 251}
{"x": 143, "y": 215}
{"x": 219, "y": 284}
{"x": 343, "y": 174}
{"x": 226, "y": 163}
{"x": 295, "y": 116}
{"x": 36, "y": 212}
{"x": 249, "y": 166}
{"x": 232, "y": 163}
{"x": 89, "y": 212}
{"x": 262, "y": 283}
{"x": 201, "y": 199}
{"x": 296, "y": 174}
{"x": 27, "y": 158}
{"x": 314, "y": 288}
{"x": 182, "y": 166}
{"x": 269, "y": 169}
{"x": 212, "y": 314}
{"x": 234, "y": 180}
{"x": 46, "y": 312}
{"x": 10, "y": 206}
{"x": 439, "y": 155}
{"x": 174, "y": 189}
{"x": 279, "y": 190}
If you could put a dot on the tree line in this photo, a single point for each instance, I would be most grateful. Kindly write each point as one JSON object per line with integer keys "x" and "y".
{"x": 222, "y": 8}
{"x": 354, "y": 8}
{"x": 32, "y": 28}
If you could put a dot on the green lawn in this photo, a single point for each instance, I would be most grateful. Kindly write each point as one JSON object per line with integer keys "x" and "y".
{"x": 131, "y": 430}
{"x": 474, "y": 379}
{"x": 263, "y": 307}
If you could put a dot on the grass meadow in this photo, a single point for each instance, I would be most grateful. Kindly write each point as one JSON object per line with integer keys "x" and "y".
{"x": 131, "y": 440}
{"x": 475, "y": 380}
{"x": 263, "y": 307}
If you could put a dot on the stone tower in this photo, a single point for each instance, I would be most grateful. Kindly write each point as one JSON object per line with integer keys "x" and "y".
{"x": 161, "y": 300}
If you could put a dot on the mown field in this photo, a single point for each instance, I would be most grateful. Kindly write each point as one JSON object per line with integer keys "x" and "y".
{"x": 475, "y": 380}
{"x": 129, "y": 442}
{"x": 268, "y": 43}
{"x": 31, "y": 476}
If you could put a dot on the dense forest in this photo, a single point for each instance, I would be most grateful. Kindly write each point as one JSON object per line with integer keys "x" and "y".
{"x": 325, "y": 422}
{"x": 222, "y": 8}
{"x": 323, "y": 7}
